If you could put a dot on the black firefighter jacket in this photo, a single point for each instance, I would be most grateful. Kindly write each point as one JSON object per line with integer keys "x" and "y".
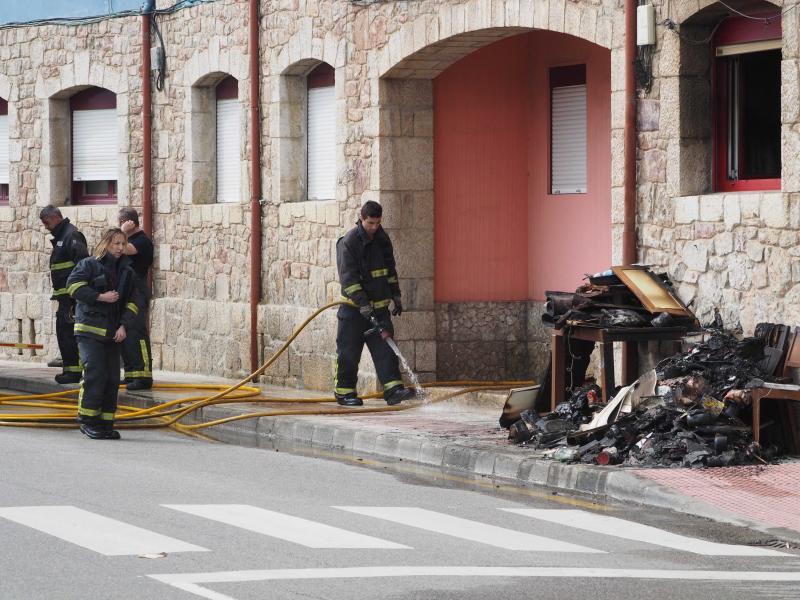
{"x": 69, "y": 247}
{"x": 367, "y": 268}
{"x": 90, "y": 278}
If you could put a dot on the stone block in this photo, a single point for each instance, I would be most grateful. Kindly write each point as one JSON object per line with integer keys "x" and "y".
{"x": 750, "y": 205}
{"x": 711, "y": 207}
{"x": 695, "y": 254}
{"x": 774, "y": 210}
{"x": 425, "y": 356}
{"x": 687, "y": 209}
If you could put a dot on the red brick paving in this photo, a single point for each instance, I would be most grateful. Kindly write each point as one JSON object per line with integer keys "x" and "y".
{"x": 770, "y": 494}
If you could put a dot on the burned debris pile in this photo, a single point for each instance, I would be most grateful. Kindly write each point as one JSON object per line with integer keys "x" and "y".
{"x": 690, "y": 411}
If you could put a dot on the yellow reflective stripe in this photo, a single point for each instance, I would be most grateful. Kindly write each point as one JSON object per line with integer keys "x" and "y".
{"x": 60, "y": 292}
{"x": 353, "y": 288}
{"x": 132, "y": 307}
{"x": 74, "y": 287}
{"x": 73, "y": 369}
{"x": 380, "y": 303}
{"x": 145, "y": 355}
{"x": 62, "y": 265}
{"x": 392, "y": 279}
{"x": 339, "y": 390}
{"x": 89, "y": 412}
{"x": 107, "y": 416}
{"x": 139, "y": 374}
{"x": 391, "y": 384}
{"x": 379, "y": 272}
{"x": 81, "y": 327}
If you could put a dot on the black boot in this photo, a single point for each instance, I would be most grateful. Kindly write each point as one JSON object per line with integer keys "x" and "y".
{"x": 139, "y": 384}
{"x": 397, "y": 394}
{"x": 68, "y": 377}
{"x": 349, "y": 399}
{"x": 94, "y": 431}
{"x": 111, "y": 433}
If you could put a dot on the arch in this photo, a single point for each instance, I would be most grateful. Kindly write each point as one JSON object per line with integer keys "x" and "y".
{"x": 423, "y": 47}
{"x": 199, "y": 76}
{"x": 288, "y": 128}
{"x": 54, "y": 177}
{"x": 8, "y": 92}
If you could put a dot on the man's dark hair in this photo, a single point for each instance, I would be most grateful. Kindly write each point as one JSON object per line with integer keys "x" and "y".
{"x": 129, "y": 214}
{"x": 371, "y": 209}
{"x": 49, "y": 211}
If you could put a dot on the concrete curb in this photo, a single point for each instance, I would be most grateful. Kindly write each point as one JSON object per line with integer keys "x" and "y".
{"x": 511, "y": 467}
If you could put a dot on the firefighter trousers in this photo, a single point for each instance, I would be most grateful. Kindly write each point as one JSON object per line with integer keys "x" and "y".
{"x": 65, "y": 335}
{"x": 350, "y": 343}
{"x": 97, "y": 399}
{"x": 136, "y": 351}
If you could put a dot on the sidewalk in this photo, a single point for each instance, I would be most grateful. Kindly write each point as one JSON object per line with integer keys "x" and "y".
{"x": 463, "y": 435}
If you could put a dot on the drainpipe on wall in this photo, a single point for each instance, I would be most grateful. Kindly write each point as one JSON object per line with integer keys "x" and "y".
{"x": 147, "y": 123}
{"x": 629, "y": 253}
{"x": 255, "y": 184}
{"x": 629, "y": 215}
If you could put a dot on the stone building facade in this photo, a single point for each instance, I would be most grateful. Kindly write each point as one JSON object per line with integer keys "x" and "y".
{"x": 732, "y": 251}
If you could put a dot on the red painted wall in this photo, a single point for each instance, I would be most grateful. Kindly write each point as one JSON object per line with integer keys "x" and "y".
{"x": 480, "y": 179}
{"x": 499, "y": 235}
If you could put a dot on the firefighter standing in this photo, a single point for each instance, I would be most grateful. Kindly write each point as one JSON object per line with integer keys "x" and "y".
{"x": 136, "y": 355}
{"x": 367, "y": 273}
{"x": 108, "y": 302}
{"x": 69, "y": 247}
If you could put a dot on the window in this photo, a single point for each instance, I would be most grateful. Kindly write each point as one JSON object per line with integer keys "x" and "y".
{"x": 747, "y": 105}
{"x": 4, "y": 163}
{"x": 228, "y": 140}
{"x": 95, "y": 146}
{"x": 568, "y": 130}
{"x": 321, "y": 133}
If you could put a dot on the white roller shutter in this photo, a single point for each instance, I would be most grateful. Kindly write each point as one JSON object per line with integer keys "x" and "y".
{"x": 3, "y": 148}
{"x": 568, "y": 140}
{"x": 95, "y": 145}
{"x": 228, "y": 144}
{"x": 321, "y": 143}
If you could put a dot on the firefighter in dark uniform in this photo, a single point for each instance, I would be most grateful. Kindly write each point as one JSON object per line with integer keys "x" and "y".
{"x": 108, "y": 301}
{"x": 136, "y": 356}
{"x": 69, "y": 247}
{"x": 367, "y": 273}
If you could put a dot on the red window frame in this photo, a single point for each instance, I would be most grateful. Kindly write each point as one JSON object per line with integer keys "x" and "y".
{"x": 735, "y": 30}
{"x": 3, "y": 186}
{"x": 93, "y": 98}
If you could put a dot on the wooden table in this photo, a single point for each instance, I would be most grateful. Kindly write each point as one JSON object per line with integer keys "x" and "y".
{"x": 605, "y": 337}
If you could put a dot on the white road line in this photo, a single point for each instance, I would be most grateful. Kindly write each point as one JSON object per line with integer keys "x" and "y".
{"x": 465, "y": 529}
{"x": 286, "y": 527}
{"x": 642, "y": 533}
{"x": 95, "y": 532}
{"x": 189, "y": 582}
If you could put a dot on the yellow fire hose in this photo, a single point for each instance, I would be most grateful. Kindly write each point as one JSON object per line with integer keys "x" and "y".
{"x": 169, "y": 414}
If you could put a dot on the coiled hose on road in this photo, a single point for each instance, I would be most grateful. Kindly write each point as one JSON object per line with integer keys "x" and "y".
{"x": 169, "y": 414}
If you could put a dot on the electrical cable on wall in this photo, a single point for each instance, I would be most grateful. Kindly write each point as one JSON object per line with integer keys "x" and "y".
{"x": 161, "y": 67}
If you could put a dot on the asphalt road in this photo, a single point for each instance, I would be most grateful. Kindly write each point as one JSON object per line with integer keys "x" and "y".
{"x": 161, "y": 516}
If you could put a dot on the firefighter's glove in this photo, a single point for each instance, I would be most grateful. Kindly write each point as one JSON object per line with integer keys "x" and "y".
{"x": 398, "y": 306}
{"x": 367, "y": 311}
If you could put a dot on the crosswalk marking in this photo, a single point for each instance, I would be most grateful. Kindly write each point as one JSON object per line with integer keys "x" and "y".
{"x": 191, "y": 582}
{"x": 630, "y": 530}
{"x": 285, "y": 527}
{"x": 466, "y": 529}
{"x": 95, "y": 532}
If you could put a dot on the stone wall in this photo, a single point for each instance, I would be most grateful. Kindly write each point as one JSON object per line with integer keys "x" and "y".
{"x": 385, "y": 56}
{"x": 735, "y": 252}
